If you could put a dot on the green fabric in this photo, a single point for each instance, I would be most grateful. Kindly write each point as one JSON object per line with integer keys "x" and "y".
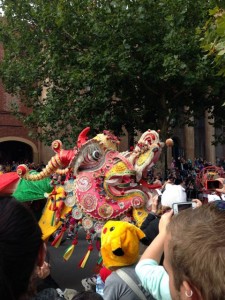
{"x": 27, "y": 190}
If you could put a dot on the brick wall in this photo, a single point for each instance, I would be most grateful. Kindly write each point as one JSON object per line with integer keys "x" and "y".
{"x": 10, "y": 125}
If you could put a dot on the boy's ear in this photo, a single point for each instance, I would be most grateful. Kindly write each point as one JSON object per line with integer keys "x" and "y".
{"x": 190, "y": 292}
{"x": 42, "y": 254}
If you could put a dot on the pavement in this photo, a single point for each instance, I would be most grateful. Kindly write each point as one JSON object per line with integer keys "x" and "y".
{"x": 67, "y": 273}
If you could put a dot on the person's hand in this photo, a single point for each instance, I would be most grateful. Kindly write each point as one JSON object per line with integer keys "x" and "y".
{"x": 221, "y": 190}
{"x": 198, "y": 202}
{"x": 222, "y": 184}
{"x": 43, "y": 271}
{"x": 164, "y": 221}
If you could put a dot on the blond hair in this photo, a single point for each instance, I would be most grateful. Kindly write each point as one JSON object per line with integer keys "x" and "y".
{"x": 197, "y": 250}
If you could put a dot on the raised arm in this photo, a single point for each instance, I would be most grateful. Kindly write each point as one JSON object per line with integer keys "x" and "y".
{"x": 155, "y": 249}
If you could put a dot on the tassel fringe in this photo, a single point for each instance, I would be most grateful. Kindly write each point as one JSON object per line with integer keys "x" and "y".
{"x": 58, "y": 239}
{"x": 70, "y": 250}
{"x": 83, "y": 261}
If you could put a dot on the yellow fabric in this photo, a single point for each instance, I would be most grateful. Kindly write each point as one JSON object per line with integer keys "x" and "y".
{"x": 120, "y": 235}
{"x": 69, "y": 252}
{"x": 108, "y": 144}
{"x": 46, "y": 218}
{"x": 139, "y": 215}
{"x": 83, "y": 264}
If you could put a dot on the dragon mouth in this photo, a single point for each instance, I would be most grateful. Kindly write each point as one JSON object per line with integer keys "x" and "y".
{"x": 120, "y": 185}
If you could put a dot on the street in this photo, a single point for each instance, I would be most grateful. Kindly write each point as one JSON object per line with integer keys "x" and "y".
{"x": 67, "y": 273}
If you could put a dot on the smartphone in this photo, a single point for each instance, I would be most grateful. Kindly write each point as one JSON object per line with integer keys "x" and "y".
{"x": 212, "y": 184}
{"x": 178, "y": 207}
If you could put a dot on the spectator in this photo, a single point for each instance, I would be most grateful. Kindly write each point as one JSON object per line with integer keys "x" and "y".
{"x": 120, "y": 252}
{"x": 173, "y": 164}
{"x": 168, "y": 182}
{"x": 151, "y": 222}
{"x": 22, "y": 251}
{"x": 173, "y": 193}
{"x": 157, "y": 180}
{"x": 153, "y": 277}
{"x": 46, "y": 285}
{"x": 14, "y": 166}
{"x": 194, "y": 249}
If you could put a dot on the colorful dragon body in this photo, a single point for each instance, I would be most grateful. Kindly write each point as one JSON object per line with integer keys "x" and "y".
{"x": 106, "y": 183}
{"x": 100, "y": 183}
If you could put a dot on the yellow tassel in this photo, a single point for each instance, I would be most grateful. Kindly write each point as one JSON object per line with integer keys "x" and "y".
{"x": 68, "y": 252}
{"x": 84, "y": 260}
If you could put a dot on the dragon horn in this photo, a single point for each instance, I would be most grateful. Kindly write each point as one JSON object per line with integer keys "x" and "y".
{"x": 61, "y": 159}
{"x": 82, "y": 138}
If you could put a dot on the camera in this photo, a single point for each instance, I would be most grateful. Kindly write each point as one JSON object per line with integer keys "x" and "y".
{"x": 178, "y": 207}
{"x": 212, "y": 184}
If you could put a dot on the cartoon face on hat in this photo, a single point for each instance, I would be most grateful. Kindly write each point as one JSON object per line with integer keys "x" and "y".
{"x": 120, "y": 243}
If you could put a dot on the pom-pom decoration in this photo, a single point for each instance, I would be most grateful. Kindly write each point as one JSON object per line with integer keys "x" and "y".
{"x": 169, "y": 142}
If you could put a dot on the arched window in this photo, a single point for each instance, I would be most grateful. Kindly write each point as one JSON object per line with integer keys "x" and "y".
{"x": 15, "y": 151}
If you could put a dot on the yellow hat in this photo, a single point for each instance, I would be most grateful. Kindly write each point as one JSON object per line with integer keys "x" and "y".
{"x": 120, "y": 243}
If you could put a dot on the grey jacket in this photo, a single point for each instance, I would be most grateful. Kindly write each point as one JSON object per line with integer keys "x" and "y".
{"x": 117, "y": 289}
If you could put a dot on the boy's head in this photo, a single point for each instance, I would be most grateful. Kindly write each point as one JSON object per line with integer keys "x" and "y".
{"x": 120, "y": 243}
{"x": 195, "y": 252}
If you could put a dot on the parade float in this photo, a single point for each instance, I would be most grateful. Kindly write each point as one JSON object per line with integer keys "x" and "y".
{"x": 91, "y": 184}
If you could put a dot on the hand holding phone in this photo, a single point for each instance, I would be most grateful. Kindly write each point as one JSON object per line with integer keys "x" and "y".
{"x": 178, "y": 207}
{"x": 198, "y": 202}
{"x": 221, "y": 188}
{"x": 164, "y": 221}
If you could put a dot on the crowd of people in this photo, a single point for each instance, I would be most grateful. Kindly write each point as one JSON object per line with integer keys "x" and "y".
{"x": 179, "y": 166}
{"x": 171, "y": 256}
{"x": 185, "y": 258}
{"x": 197, "y": 164}
{"x": 6, "y": 167}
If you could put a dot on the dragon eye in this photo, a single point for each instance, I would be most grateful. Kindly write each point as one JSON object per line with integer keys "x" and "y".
{"x": 96, "y": 154}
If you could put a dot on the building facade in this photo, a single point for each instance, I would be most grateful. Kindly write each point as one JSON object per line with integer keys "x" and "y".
{"x": 15, "y": 143}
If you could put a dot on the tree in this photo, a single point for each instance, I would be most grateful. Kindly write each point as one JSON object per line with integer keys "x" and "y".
{"x": 213, "y": 40}
{"x": 213, "y": 44}
{"x": 107, "y": 64}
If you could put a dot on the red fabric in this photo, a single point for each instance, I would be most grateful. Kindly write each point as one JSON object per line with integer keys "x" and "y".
{"x": 150, "y": 186}
{"x": 104, "y": 273}
{"x": 66, "y": 156}
{"x": 8, "y": 183}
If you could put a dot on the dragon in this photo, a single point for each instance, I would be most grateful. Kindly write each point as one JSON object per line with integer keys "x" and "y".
{"x": 105, "y": 183}
{"x": 100, "y": 183}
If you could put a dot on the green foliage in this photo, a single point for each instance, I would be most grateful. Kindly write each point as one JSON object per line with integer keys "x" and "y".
{"x": 213, "y": 40}
{"x": 107, "y": 64}
{"x": 213, "y": 44}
